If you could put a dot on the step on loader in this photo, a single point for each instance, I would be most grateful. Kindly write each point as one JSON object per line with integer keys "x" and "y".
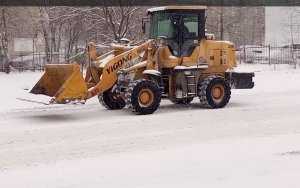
{"x": 179, "y": 62}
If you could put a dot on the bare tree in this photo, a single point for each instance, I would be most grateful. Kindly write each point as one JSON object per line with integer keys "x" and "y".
{"x": 113, "y": 23}
{"x": 4, "y": 38}
{"x": 291, "y": 26}
{"x": 13, "y": 23}
{"x": 68, "y": 27}
{"x": 241, "y": 25}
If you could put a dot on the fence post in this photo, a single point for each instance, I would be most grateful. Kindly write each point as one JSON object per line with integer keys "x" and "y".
{"x": 244, "y": 54}
{"x": 40, "y": 66}
{"x": 269, "y": 55}
{"x": 294, "y": 62}
{"x": 22, "y": 64}
{"x": 33, "y": 60}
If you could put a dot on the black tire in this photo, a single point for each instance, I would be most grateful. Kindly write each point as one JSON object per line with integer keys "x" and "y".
{"x": 110, "y": 101}
{"x": 214, "y": 92}
{"x": 182, "y": 101}
{"x": 134, "y": 96}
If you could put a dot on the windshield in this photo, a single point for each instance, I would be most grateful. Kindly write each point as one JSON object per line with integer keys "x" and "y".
{"x": 162, "y": 24}
{"x": 183, "y": 29}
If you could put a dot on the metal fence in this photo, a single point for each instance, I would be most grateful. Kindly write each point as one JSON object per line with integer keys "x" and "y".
{"x": 37, "y": 61}
{"x": 245, "y": 54}
{"x": 268, "y": 54}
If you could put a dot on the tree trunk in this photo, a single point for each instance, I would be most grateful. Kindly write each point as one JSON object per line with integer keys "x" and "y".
{"x": 45, "y": 34}
{"x": 222, "y": 23}
{"x": 4, "y": 41}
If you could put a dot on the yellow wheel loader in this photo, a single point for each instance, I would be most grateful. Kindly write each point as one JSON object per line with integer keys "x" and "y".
{"x": 179, "y": 62}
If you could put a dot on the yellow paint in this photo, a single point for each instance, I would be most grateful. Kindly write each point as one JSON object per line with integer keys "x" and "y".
{"x": 109, "y": 76}
{"x": 63, "y": 82}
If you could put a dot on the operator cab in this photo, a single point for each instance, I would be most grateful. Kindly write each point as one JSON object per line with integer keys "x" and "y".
{"x": 182, "y": 26}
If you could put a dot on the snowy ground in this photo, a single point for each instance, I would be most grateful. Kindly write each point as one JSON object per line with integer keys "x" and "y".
{"x": 253, "y": 142}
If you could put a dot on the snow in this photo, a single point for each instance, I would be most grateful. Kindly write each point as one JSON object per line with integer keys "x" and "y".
{"x": 252, "y": 142}
{"x": 190, "y": 67}
{"x": 152, "y": 71}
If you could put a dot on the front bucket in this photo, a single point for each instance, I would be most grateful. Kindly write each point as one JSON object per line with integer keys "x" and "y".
{"x": 64, "y": 82}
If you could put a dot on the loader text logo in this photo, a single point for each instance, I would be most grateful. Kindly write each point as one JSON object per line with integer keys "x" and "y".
{"x": 118, "y": 64}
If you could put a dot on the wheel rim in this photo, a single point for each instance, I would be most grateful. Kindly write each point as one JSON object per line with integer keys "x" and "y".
{"x": 146, "y": 97}
{"x": 218, "y": 93}
{"x": 113, "y": 97}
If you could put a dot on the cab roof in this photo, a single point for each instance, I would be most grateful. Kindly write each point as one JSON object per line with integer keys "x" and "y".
{"x": 156, "y": 9}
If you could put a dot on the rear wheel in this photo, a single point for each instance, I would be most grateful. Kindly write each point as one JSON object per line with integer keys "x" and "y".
{"x": 143, "y": 96}
{"x": 182, "y": 101}
{"x": 111, "y": 101}
{"x": 214, "y": 92}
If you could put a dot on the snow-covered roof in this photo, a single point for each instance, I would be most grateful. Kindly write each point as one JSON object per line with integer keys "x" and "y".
{"x": 177, "y": 8}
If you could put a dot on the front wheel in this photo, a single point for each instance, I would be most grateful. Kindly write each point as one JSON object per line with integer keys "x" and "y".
{"x": 214, "y": 92}
{"x": 111, "y": 101}
{"x": 143, "y": 96}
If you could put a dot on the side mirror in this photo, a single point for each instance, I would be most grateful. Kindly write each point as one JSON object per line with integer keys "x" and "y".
{"x": 144, "y": 21}
{"x": 144, "y": 27}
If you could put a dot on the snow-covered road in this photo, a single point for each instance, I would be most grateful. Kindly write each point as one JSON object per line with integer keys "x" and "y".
{"x": 253, "y": 142}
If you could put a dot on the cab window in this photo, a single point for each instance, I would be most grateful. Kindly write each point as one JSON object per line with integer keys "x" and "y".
{"x": 190, "y": 26}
